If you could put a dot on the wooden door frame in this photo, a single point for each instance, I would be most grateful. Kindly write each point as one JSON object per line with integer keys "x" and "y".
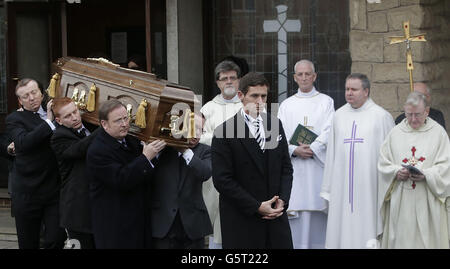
{"x": 55, "y": 47}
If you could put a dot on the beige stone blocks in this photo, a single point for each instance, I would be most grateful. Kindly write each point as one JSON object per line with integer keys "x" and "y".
{"x": 385, "y": 4}
{"x": 385, "y": 64}
{"x": 385, "y": 95}
{"x": 366, "y": 47}
{"x": 397, "y": 73}
{"x": 358, "y": 14}
{"x": 413, "y": 14}
{"x": 377, "y": 22}
{"x": 363, "y": 67}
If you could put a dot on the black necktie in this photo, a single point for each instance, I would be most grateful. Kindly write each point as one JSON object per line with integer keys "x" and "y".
{"x": 124, "y": 143}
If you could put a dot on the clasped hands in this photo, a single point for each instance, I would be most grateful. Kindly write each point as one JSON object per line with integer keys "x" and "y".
{"x": 272, "y": 208}
{"x": 303, "y": 151}
{"x": 403, "y": 175}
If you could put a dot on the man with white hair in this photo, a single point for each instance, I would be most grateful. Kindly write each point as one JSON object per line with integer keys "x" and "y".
{"x": 313, "y": 110}
{"x": 435, "y": 114}
{"x": 414, "y": 181}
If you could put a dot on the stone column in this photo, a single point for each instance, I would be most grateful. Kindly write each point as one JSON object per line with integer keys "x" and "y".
{"x": 185, "y": 43}
{"x": 371, "y": 25}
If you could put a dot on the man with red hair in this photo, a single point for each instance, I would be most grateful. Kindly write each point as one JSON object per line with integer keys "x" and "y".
{"x": 70, "y": 142}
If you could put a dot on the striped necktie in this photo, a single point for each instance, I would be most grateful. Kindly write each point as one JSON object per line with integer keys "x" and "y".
{"x": 258, "y": 134}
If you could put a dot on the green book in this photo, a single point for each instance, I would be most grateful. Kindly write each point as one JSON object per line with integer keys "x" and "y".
{"x": 302, "y": 135}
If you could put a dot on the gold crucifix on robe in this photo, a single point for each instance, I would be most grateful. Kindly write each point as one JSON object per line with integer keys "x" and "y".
{"x": 408, "y": 39}
{"x": 305, "y": 121}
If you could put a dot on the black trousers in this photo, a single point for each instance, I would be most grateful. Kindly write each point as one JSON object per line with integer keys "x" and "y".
{"x": 30, "y": 213}
{"x": 177, "y": 238}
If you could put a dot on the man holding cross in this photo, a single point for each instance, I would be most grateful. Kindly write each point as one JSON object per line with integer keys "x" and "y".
{"x": 414, "y": 207}
{"x": 350, "y": 176}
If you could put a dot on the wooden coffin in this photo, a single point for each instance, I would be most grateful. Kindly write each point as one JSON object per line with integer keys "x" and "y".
{"x": 157, "y": 108}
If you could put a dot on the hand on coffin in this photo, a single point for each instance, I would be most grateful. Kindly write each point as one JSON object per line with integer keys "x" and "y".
{"x": 11, "y": 149}
{"x": 403, "y": 174}
{"x": 151, "y": 150}
{"x": 49, "y": 110}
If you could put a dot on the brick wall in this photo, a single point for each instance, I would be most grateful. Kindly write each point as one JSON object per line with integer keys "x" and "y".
{"x": 371, "y": 25}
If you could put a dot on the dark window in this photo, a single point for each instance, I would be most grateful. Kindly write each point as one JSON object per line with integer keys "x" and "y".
{"x": 323, "y": 38}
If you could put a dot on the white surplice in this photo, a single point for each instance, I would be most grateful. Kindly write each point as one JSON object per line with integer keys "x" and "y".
{"x": 315, "y": 111}
{"x": 350, "y": 177}
{"x": 415, "y": 217}
{"x": 216, "y": 112}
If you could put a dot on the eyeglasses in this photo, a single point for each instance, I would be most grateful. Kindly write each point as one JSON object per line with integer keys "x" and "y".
{"x": 122, "y": 120}
{"x": 415, "y": 115}
{"x": 224, "y": 79}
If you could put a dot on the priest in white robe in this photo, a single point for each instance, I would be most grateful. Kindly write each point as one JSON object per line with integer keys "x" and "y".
{"x": 414, "y": 207}
{"x": 314, "y": 110}
{"x": 351, "y": 177}
{"x": 224, "y": 106}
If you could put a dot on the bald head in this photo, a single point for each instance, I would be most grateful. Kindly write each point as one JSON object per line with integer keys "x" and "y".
{"x": 423, "y": 89}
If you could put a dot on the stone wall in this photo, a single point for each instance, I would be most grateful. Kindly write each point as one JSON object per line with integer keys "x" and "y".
{"x": 371, "y": 25}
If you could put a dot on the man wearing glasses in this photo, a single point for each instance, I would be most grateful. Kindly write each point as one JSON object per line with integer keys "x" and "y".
{"x": 120, "y": 170}
{"x": 224, "y": 106}
{"x": 434, "y": 113}
{"x": 414, "y": 181}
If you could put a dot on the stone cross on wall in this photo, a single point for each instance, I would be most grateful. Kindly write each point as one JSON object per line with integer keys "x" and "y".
{"x": 282, "y": 26}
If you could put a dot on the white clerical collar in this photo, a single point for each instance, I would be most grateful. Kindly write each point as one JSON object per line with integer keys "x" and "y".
{"x": 311, "y": 93}
{"x": 366, "y": 104}
{"x": 42, "y": 113}
{"x": 235, "y": 99}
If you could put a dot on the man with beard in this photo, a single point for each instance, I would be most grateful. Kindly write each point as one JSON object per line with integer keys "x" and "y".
{"x": 224, "y": 106}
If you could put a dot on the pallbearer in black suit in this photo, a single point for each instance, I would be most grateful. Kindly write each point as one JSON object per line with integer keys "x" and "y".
{"x": 179, "y": 216}
{"x": 120, "y": 169}
{"x": 70, "y": 142}
{"x": 35, "y": 190}
{"x": 252, "y": 172}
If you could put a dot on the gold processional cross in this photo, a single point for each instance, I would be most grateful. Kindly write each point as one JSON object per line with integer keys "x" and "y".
{"x": 305, "y": 121}
{"x": 408, "y": 39}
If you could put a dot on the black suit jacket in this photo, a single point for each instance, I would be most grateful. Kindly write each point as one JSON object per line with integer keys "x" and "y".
{"x": 5, "y": 140}
{"x": 118, "y": 190}
{"x": 74, "y": 204}
{"x": 245, "y": 177}
{"x": 434, "y": 114}
{"x": 177, "y": 187}
{"x": 35, "y": 169}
